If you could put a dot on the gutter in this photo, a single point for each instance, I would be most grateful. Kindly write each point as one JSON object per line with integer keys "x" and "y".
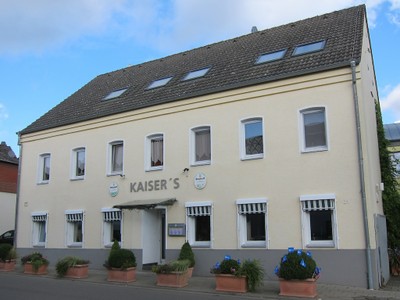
{"x": 362, "y": 176}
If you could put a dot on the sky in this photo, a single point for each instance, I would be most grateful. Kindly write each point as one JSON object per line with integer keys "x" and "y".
{"x": 49, "y": 49}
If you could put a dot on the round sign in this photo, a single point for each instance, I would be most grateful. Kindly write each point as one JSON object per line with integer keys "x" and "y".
{"x": 200, "y": 181}
{"x": 113, "y": 189}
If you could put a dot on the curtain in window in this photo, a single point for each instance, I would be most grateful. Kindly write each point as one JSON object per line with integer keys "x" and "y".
{"x": 157, "y": 145}
{"x": 117, "y": 156}
{"x": 80, "y": 163}
{"x": 203, "y": 145}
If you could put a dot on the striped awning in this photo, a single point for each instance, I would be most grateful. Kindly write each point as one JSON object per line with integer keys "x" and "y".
{"x": 110, "y": 216}
{"x": 145, "y": 204}
{"x": 39, "y": 218}
{"x": 74, "y": 217}
{"x": 315, "y": 205}
{"x": 252, "y": 208}
{"x": 198, "y": 211}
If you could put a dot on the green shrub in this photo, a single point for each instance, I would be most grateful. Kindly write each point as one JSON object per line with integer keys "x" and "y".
{"x": 36, "y": 259}
{"x": 121, "y": 259}
{"x": 67, "y": 262}
{"x": 187, "y": 253}
{"x": 5, "y": 250}
{"x": 173, "y": 266}
{"x": 254, "y": 272}
{"x": 297, "y": 265}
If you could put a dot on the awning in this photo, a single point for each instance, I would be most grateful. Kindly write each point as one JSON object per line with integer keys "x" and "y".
{"x": 145, "y": 204}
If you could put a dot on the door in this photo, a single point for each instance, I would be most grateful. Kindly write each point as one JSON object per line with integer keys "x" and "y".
{"x": 153, "y": 236}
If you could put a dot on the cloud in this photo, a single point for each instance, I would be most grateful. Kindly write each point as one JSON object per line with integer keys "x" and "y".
{"x": 3, "y": 112}
{"x": 391, "y": 102}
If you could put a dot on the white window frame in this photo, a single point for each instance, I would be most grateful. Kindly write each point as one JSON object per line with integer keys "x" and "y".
{"x": 191, "y": 224}
{"x": 148, "y": 151}
{"x": 242, "y": 223}
{"x": 74, "y": 162}
{"x": 37, "y": 219}
{"x": 243, "y": 123}
{"x": 79, "y": 215}
{"x": 302, "y": 139}
{"x": 110, "y": 167}
{"x": 41, "y": 168}
{"x": 114, "y": 212}
{"x": 306, "y": 226}
{"x": 193, "y": 131}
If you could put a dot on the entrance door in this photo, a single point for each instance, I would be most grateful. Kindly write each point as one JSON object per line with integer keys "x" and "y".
{"x": 153, "y": 235}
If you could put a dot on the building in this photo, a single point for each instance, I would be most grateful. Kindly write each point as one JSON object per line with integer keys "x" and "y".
{"x": 243, "y": 147}
{"x": 8, "y": 187}
{"x": 392, "y": 134}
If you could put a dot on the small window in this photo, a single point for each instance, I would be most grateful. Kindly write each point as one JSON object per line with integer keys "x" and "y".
{"x": 199, "y": 226}
{"x": 252, "y": 214}
{"x": 44, "y": 168}
{"x": 114, "y": 94}
{"x": 39, "y": 231}
{"x": 116, "y": 159}
{"x": 271, "y": 56}
{"x": 78, "y": 164}
{"x": 112, "y": 220}
{"x": 395, "y": 157}
{"x": 159, "y": 82}
{"x": 201, "y": 145}
{"x": 314, "y": 132}
{"x": 74, "y": 228}
{"x": 308, "y": 48}
{"x": 252, "y": 138}
{"x": 196, "y": 74}
{"x": 154, "y": 152}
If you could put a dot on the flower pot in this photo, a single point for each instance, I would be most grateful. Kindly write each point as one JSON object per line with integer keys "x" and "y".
{"x": 190, "y": 272}
{"x": 117, "y": 275}
{"x": 230, "y": 283}
{"x": 298, "y": 288}
{"x": 77, "y": 271}
{"x": 29, "y": 269}
{"x": 174, "y": 279}
{"x": 7, "y": 266}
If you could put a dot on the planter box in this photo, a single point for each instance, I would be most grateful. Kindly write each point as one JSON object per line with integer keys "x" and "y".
{"x": 298, "y": 288}
{"x": 190, "y": 272}
{"x": 230, "y": 283}
{"x": 28, "y": 269}
{"x": 117, "y": 275}
{"x": 7, "y": 266}
{"x": 175, "y": 279}
{"x": 78, "y": 271}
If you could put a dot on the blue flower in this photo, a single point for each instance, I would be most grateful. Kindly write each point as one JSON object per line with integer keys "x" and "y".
{"x": 284, "y": 258}
{"x": 217, "y": 265}
{"x": 227, "y": 257}
{"x": 302, "y": 263}
{"x": 309, "y": 254}
{"x": 299, "y": 252}
{"x": 290, "y": 249}
{"x": 238, "y": 261}
{"x": 276, "y": 270}
{"x": 317, "y": 271}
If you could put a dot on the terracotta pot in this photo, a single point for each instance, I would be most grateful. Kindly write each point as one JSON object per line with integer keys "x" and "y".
{"x": 117, "y": 275}
{"x": 29, "y": 269}
{"x": 230, "y": 283}
{"x": 298, "y": 288}
{"x": 7, "y": 266}
{"x": 78, "y": 271}
{"x": 175, "y": 279}
{"x": 190, "y": 272}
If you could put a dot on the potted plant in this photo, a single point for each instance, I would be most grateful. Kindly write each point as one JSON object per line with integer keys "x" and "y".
{"x": 72, "y": 267}
{"x": 298, "y": 274}
{"x": 8, "y": 256}
{"x": 187, "y": 253}
{"x": 233, "y": 276}
{"x": 394, "y": 261}
{"x": 172, "y": 274}
{"x": 121, "y": 264}
{"x": 35, "y": 263}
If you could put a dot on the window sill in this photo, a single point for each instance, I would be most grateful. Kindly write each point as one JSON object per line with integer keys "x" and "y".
{"x": 253, "y": 244}
{"x": 75, "y": 245}
{"x": 77, "y": 178}
{"x": 151, "y": 169}
{"x": 252, "y": 157}
{"x": 115, "y": 174}
{"x": 316, "y": 149}
{"x": 43, "y": 182}
{"x": 201, "y": 244}
{"x": 200, "y": 163}
{"x": 321, "y": 244}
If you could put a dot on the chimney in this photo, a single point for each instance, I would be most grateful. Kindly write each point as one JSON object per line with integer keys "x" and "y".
{"x": 254, "y": 29}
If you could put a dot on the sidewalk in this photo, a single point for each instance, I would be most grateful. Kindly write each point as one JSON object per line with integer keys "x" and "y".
{"x": 269, "y": 290}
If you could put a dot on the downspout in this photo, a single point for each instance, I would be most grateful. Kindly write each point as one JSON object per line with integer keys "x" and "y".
{"x": 362, "y": 177}
{"x": 18, "y": 191}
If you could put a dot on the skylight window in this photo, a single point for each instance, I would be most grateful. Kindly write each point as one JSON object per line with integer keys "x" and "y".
{"x": 114, "y": 94}
{"x": 196, "y": 74}
{"x": 159, "y": 82}
{"x": 308, "y": 48}
{"x": 271, "y": 56}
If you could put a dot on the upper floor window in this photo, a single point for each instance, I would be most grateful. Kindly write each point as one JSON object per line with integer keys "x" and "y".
{"x": 44, "y": 168}
{"x": 116, "y": 158}
{"x": 395, "y": 156}
{"x": 115, "y": 94}
{"x": 159, "y": 82}
{"x": 154, "y": 152}
{"x": 308, "y": 48}
{"x": 313, "y": 127}
{"x": 271, "y": 56}
{"x": 252, "y": 138}
{"x": 196, "y": 74}
{"x": 201, "y": 145}
{"x": 78, "y": 164}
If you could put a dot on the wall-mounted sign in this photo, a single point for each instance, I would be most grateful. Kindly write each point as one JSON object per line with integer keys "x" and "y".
{"x": 176, "y": 229}
{"x": 200, "y": 181}
{"x": 113, "y": 189}
{"x": 154, "y": 185}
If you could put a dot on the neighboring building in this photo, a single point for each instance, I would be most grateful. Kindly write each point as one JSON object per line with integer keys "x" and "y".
{"x": 243, "y": 147}
{"x": 392, "y": 134}
{"x": 8, "y": 187}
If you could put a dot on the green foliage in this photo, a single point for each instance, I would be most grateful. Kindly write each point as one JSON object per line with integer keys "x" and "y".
{"x": 115, "y": 245}
{"x": 121, "y": 259}
{"x": 36, "y": 259}
{"x": 180, "y": 266}
{"x": 254, "y": 272}
{"x": 297, "y": 265}
{"x": 187, "y": 253}
{"x": 5, "y": 250}
{"x": 67, "y": 262}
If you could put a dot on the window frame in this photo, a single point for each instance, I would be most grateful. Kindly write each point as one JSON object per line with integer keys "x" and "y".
{"x": 110, "y": 164}
{"x": 71, "y": 227}
{"x": 243, "y": 123}
{"x": 306, "y": 223}
{"x": 271, "y": 56}
{"x": 159, "y": 83}
{"x": 36, "y": 228}
{"x": 395, "y": 159}
{"x": 298, "y": 49}
{"x": 191, "y": 225}
{"x": 193, "y": 132}
{"x": 74, "y": 163}
{"x": 107, "y": 227}
{"x": 198, "y": 73}
{"x": 115, "y": 94}
{"x": 148, "y": 151}
{"x": 41, "y": 168}
{"x": 302, "y": 131}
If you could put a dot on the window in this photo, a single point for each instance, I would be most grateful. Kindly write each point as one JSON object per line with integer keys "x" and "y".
{"x": 198, "y": 223}
{"x": 201, "y": 145}
{"x": 154, "y": 152}
{"x": 395, "y": 156}
{"x": 44, "y": 168}
{"x": 159, "y": 82}
{"x": 114, "y": 94}
{"x": 313, "y": 127}
{"x": 196, "y": 74}
{"x": 74, "y": 220}
{"x": 319, "y": 220}
{"x": 252, "y": 138}
{"x": 112, "y": 219}
{"x": 252, "y": 222}
{"x": 271, "y": 56}
{"x": 39, "y": 220}
{"x": 116, "y": 163}
{"x": 308, "y": 48}
{"x": 78, "y": 163}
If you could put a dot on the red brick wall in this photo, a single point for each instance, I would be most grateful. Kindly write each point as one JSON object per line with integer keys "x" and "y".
{"x": 8, "y": 177}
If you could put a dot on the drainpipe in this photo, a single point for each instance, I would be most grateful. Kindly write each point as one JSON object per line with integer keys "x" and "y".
{"x": 18, "y": 190}
{"x": 362, "y": 178}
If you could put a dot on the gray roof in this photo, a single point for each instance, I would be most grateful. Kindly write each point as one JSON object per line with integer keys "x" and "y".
{"x": 392, "y": 132}
{"x": 232, "y": 65}
{"x": 7, "y": 154}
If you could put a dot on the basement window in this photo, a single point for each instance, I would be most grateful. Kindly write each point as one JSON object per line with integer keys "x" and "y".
{"x": 159, "y": 82}
{"x": 114, "y": 94}
{"x": 308, "y": 48}
{"x": 196, "y": 74}
{"x": 271, "y": 56}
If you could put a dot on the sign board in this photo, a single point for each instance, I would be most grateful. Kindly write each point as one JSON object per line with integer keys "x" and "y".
{"x": 176, "y": 229}
{"x": 200, "y": 181}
